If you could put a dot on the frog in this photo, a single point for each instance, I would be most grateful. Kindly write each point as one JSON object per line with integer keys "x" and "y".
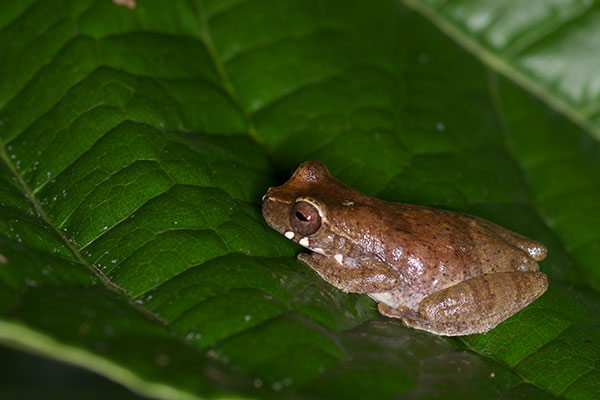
{"x": 445, "y": 272}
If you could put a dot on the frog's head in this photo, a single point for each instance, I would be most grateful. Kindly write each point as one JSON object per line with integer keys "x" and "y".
{"x": 299, "y": 209}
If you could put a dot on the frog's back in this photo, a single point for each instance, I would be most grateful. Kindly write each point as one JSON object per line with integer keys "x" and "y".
{"x": 432, "y": 249}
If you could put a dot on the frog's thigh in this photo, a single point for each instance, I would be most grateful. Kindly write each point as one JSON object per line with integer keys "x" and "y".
{"x": 533, "y": 248}
{"x": 360, "y": 276}
{"x": 477, "y": 305}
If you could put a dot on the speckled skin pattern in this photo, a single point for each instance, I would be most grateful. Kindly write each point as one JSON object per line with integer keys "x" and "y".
{"x": 444, "y": 272}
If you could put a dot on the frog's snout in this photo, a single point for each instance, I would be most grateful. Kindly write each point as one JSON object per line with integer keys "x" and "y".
{"x": 274, "y": 211}
{"x": 266, "y": 195}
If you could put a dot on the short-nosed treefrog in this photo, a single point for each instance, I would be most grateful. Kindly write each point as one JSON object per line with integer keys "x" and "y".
{"x": 440, "y": 271}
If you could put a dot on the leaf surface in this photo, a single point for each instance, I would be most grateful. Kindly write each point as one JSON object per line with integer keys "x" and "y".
{"x": 136, "y": 146}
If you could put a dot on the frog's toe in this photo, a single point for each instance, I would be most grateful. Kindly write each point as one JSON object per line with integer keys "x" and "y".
{"x": 414, "y": 320}
{"x": 388, "y": 311}
{"x": 391, "y": 312}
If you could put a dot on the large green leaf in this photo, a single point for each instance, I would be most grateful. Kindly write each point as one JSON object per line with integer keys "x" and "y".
{"x": 549, "y": 47}
{"x": 136, "y": 145}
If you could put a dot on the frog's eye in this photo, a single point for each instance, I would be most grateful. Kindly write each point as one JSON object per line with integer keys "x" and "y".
{"x": 305, "y": 218}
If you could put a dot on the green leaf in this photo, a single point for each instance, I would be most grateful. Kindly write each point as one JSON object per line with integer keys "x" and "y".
{"x": 546, "y": 47}
{"x": 137, "y": 143}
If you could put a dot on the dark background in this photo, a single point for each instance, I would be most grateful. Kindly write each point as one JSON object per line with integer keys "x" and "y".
{"x": 25, "y": 376}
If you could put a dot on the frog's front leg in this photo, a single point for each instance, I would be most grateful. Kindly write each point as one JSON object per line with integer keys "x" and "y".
{"x": 476, "y": 305}
{"x": 355, "y": 276}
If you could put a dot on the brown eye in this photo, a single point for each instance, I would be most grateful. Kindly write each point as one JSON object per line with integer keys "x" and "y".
{"x": 305, "y": 218}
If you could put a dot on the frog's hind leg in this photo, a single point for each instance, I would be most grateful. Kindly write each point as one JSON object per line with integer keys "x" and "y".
{"x": 476, "y": 305}
{"x": 533, "y": 248}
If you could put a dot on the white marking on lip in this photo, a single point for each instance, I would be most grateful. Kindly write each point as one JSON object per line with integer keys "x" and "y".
{"x": 347, "y": 203}
{"x": 319, "y": 250}
{"x": 339, "y": 258}
{"x": 304, "y": 242}
{"x": 289, "y": 234}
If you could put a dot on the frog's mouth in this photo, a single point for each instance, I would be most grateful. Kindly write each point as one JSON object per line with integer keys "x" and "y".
{"x": 275, "y": 212}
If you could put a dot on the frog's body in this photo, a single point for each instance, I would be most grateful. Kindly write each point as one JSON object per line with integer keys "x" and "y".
{"x": 444, "y": 272}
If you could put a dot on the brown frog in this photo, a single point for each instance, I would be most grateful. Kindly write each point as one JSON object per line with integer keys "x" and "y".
{"x": 444, "y": 272}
